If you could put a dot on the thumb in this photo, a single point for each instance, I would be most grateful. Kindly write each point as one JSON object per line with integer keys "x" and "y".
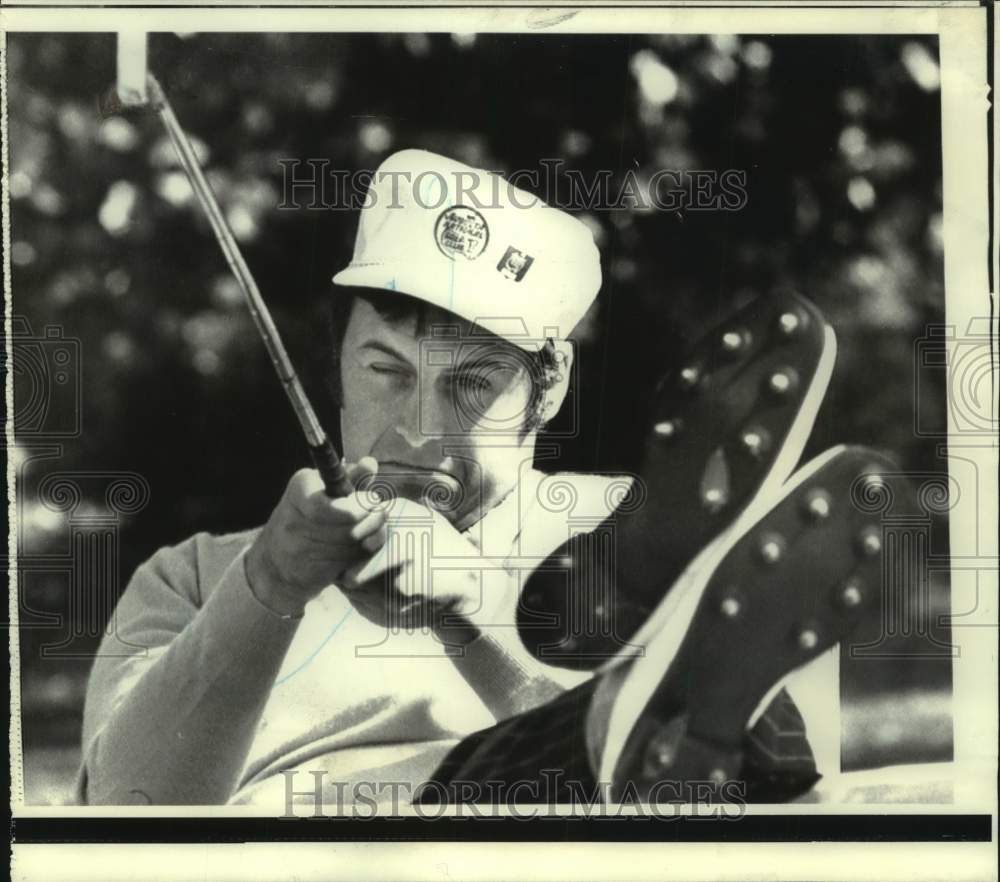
{"x": 366, "y": 467}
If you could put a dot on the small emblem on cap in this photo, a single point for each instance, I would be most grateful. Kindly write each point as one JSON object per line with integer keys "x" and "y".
{"x": 514, "y": 264}
{"x": 461, "y": 230}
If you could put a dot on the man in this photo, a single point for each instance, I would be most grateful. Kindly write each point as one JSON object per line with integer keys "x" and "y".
{"x": 358, "y": 641}
{"x": 286, "y": 647}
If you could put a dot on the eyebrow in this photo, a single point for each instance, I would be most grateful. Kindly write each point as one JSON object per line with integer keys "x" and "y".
{"x": 487, "y": 359}
{"x": 385, "y": 348}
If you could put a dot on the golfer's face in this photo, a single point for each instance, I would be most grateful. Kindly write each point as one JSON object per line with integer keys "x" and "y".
{"x": 440, "y": 408}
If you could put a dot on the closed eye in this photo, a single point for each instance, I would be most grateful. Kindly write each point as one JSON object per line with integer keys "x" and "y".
{"x": 391, "y": 375}
{"x": 382, "y": 368}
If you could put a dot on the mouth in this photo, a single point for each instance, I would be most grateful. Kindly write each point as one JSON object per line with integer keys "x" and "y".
{"x": 433, "y": 488}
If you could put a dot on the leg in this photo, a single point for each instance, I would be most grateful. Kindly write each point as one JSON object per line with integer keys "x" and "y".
{"x": 547, "y": 747}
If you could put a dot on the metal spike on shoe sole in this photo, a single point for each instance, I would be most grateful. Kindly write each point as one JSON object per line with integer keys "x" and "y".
{"x": 762, "y": 615}
{"x": 731, "y": 420}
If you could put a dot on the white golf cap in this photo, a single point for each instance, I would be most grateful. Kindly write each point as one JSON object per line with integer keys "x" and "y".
{"x": 468, "y": 241}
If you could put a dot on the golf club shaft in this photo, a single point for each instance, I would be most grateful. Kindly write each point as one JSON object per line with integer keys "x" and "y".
{"x": 323, "y": 453}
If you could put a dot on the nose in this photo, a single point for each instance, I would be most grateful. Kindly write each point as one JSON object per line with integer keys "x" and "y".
{"x": 428, "y": 416}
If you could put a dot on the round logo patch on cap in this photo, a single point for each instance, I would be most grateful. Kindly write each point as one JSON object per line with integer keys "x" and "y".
{"x": 461, "y": 230}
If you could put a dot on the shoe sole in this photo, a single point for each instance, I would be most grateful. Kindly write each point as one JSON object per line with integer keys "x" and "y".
{"x": 791, "y": 582}
{"x": 586, "y": 605}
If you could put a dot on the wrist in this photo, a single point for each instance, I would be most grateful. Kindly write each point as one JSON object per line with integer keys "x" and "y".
{"x": 267, "y": 587}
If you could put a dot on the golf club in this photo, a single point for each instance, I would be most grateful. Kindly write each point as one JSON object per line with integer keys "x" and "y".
{"x": 136, "y": 89}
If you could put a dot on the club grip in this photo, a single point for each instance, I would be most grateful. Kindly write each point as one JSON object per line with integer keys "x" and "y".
{"x": 331, "y": 470}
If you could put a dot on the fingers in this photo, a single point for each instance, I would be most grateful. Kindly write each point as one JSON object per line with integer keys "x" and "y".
{"x": 304, "y": 484}
{"x": 370, "y": 524}
{"x": 375, "y": 541}
{"x": 365, "y": 467}
{"x": 307, "y": 496}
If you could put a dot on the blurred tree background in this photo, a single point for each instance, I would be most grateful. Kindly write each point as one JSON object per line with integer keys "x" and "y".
{"x": 839, "y": 137}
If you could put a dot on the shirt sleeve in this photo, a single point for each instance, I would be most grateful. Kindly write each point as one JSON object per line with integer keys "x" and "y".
{"x": 179, "y": 683}
{"x": 504, "y": 674}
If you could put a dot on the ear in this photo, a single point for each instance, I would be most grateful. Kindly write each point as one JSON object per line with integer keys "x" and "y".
{"x": 555, "y": 396}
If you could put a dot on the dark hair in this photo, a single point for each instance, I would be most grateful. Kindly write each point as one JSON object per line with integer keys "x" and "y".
{"x": 543, "y": 366}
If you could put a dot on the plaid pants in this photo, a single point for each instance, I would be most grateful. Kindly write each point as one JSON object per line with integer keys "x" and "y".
{"x": 544, "y": 753}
